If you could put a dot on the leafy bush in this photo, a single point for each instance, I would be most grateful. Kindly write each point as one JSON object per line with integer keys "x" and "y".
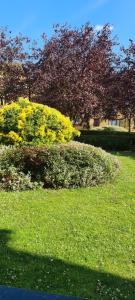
{"x": 24, "y": 122}
{"x": 112, "y": 141}
{"x": 71, "y": 165}
{"x": 11, "y": 179}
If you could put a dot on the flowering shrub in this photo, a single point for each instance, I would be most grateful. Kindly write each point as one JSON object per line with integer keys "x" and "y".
{"x": 24, "y": 122}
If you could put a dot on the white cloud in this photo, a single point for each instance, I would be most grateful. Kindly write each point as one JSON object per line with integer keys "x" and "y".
{"x": 111, "y": 27}
{"x": 99, "y": 27}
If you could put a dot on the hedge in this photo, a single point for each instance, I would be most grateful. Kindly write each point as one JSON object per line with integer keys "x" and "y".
{"x": 112, "y": 141}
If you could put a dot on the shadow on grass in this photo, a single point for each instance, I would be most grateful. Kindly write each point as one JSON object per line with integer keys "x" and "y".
{"x": 52, "y": 275}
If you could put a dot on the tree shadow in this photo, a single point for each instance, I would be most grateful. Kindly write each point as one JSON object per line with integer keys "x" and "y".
{"x": 52, "y": 275}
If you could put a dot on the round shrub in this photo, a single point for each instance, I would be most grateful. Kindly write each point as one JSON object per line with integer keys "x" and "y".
{"x": 64, "y": 166}
{"x": 28, "y": 123}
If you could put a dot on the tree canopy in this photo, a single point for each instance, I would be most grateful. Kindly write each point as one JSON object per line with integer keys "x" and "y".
{"x": 76, "y": 71}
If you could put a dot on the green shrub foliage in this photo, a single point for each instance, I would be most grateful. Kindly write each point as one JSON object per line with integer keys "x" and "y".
{"x": 28, "y": 123}
{"x": 11, "y": 178}
{"x": 64, "y": 166}
{"x": 108, "y": 140}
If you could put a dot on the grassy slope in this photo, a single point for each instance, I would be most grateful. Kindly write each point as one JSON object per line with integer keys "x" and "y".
{"x": 79, "y": 242}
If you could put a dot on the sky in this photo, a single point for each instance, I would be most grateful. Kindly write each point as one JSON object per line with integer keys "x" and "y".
{"x": 33, "y": 17}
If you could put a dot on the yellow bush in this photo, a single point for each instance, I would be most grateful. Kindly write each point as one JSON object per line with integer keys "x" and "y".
{"x": 31, "y": 123}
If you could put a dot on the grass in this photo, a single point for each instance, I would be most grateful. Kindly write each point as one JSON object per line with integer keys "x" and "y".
{"x": 72, "y": 242}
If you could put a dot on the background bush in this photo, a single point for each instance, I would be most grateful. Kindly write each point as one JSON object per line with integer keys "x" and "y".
{"x": 71, "y": 165}
{"x": 108, "y": 140}
{"x": 24, "y": 122}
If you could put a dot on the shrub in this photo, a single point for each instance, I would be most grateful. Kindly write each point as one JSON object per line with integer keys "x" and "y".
{"x": 111, "y": 141}
{"x": 28, "y": 123}
{"x": 11, "y": 179}
{"x": 71, "y": 165}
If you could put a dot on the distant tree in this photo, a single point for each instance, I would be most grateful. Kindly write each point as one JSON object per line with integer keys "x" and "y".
{"x": 127, "y": 83}
{"x": 31, "y": 71}
{"x": 72, "y": 70}
{"x": 11, "y": 72}
{"x": 111, "y": 100}
{"x": 107, "y": 68}
{"x": 17, "y": 66}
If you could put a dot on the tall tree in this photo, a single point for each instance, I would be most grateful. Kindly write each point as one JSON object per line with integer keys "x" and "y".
{"x": 72, "y": 70}
{"x": 127, "y": 83}
{"x": 17, "y": 66}
{"x": 11, "y": 72}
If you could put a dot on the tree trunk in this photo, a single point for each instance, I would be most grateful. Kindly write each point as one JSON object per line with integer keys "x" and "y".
{"x": 129, "y": 125}
{"x": 88, "y": 124}
{"x": 29, "y": 90}
{"x": 2, "y": 101}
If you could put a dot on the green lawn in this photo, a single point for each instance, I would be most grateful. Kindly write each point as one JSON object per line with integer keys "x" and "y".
{"x": 75, "y": 242}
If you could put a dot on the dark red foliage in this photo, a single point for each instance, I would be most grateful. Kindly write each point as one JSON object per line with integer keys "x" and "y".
{"x": 17, "y": 66}
{"x": 72, "y": 70}
{"x": 127, "y": 83}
